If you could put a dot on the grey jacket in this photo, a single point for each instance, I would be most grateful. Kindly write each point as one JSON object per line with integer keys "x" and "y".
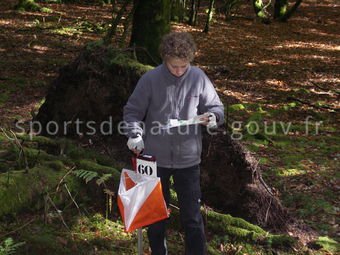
{"x": 160, "y": 96}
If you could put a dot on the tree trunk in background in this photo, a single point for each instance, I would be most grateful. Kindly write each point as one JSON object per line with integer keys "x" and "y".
{"x": 151, "y": 21}
{"x": 116, "y": 17}
{"x": 209, "y": 16}
{"x": 126, "y": 24}
{"x": 178, "y": 10}
{"x": 195, "y": 5}
{"x": 192, "y": 20}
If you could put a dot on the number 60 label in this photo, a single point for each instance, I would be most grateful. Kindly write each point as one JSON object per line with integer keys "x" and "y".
{"x": 146, "y": 167}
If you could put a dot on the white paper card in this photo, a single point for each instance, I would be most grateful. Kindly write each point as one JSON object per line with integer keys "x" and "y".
{"x": 146, "y": 167}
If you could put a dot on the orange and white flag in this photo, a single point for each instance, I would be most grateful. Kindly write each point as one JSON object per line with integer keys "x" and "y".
{"x": 140, "y": 200}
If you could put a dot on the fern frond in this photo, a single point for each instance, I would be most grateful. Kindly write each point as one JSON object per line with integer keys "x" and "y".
{"x": 109, "y": 192}
{"x": 103, "y": 179}
{"x": 85, "y": 174}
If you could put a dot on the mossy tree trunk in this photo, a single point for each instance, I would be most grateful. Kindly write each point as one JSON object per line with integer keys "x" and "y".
{"x": 151, "y": 21}
{"x": 209, "y": 16}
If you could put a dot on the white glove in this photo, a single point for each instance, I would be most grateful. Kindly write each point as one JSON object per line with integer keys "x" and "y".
{"x": 136, "y": 143}
{"x": 212, "y": 120}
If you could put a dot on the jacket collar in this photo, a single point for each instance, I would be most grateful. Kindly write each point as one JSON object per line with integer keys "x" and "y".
{"x": 172, "y": 77}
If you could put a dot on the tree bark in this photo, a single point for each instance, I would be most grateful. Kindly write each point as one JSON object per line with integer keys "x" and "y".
{"x": 193, "y": 9}
{"x": 209, "y": 16}
{"x": 115, "y": 21}
{"x": 195, "y": 5}
{"x": 126, "y": 28}
{"x": 151, "y": 21}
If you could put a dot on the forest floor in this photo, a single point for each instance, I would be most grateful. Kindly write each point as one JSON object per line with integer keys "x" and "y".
{"x": 279, "y": 82}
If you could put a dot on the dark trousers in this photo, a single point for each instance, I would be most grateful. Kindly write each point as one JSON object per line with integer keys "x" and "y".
{"x": 187, "y": 187}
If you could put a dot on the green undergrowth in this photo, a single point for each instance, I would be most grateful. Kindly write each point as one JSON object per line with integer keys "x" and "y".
{"x": 235, "y": 229}
{"x": 36, "y": 180}
{"x": 4, "y": 98}
{"x": 238, "y": 229}
{"x": 55, "y": 25}
{"x": 30, "y": 5}
{"x": 328, "y": 245}
{"x": 300, "y": 157}
{"x": 32, "y": 166}
{"x": 92, "y": 234}
{"x": 14, "y": 83}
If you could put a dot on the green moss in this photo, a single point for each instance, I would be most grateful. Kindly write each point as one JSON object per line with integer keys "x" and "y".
{"x": 87, "y": 229}
{"x": 257, "y": 139}
{"x": 46, "y": 239}
{"x": 68, "y": 147}
{"x": 328, "y": 244}
{"x": 240, "y": 229}
{"x": 41, "y": 140}
{"x": 212, "y": 250}
{"x": 67, "y": 31}
{"x": 264, "y": 160}
{"x": 235, "y": 228}
{"x": 127, "y": 61}
{"x": 75, "y": 152}
{"x": 92, "y": 46}
{"x": 290, "y": 172}
{"x": 280, "y": 241}
{"x": 22, "y": 191}
{"x": 220, "y": 221}
{"x": 292, "y": 158}
{"x": 236, "y": 107}
{"x": 33, "y": 157}
{"x": 13, "y": 84}
{"x": 3, "y": 167}
{"x": 28, "y": 5}
{"x": 55, "y": 165}
{"x": 46, "y": 10}
{"x": 100, "y": 169}
{"x": 3, "y": 98}
{"x": 17, "y": 191}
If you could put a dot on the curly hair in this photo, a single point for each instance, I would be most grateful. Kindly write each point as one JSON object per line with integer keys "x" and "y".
{"x": 177, "y": 45}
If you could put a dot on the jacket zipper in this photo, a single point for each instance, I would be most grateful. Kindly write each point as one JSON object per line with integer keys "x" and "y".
{"x": 174, "y": 144}
{"x": 173, "y": 110}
